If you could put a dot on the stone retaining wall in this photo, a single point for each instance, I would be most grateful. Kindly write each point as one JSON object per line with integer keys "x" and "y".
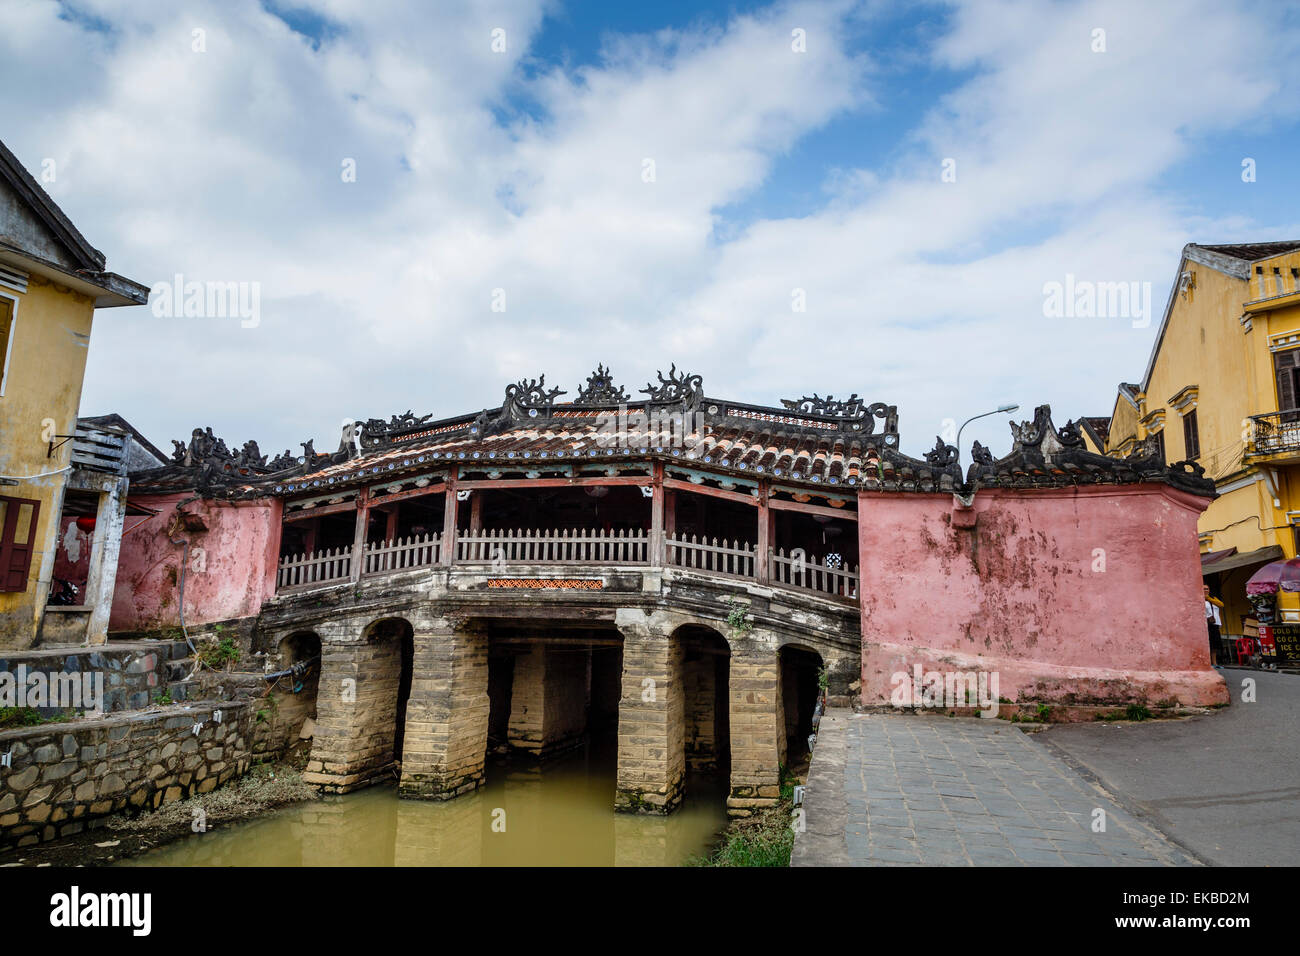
{"x": 134, "y": 674}
{"x": 59, "y": 779}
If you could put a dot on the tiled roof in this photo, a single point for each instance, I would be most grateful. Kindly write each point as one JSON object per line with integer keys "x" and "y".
{"x": 1099, "y": 426}
{"x": 575, "y": 437}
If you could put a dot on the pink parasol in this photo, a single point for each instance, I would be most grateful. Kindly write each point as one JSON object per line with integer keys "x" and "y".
{"x": 1283, "y": 575}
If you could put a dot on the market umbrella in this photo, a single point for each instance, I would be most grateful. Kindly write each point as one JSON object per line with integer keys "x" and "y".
{"x": 1278, "y": 575}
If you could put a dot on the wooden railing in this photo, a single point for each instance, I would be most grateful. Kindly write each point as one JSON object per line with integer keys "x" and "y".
{"x": 554, "y": 547}
{"x": 799, "y": 571}
{"x": 314, "y": 569}
{"x": 738, "y": 559}
{"x": 699, "y": 554}
{"x": 421, "y": 551}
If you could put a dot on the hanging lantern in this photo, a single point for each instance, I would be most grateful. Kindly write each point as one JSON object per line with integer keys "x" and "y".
{"x": 86, "y": 523}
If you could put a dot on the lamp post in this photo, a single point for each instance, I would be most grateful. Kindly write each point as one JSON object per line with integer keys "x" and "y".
{"x": 1000, "y": 410}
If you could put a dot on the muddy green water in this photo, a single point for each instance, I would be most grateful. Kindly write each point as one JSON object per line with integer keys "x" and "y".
{"x": 556, "y": 814}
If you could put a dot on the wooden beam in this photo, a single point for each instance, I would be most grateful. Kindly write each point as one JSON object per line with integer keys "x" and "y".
{"x": 658, "y": 550}
{"x": 679, "y": 485}
{"x": 349, "y": 506}
{"x": 553, "y": 482}
{"x": 475, "y": 512}
{"x": 359, "y": 538}
{"x": 435, "y": 489}
{"x": 842, "y": 513}
{"x": 449, "y": 519}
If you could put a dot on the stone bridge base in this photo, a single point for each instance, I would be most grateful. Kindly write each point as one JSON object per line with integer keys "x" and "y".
{"x": 408, "y": 698}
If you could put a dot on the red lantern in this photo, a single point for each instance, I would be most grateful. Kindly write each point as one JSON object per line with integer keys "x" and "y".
{"x": 86, "y": 523}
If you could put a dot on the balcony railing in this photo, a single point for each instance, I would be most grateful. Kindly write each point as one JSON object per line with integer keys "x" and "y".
{"x": 314, "y": 569}
{"x": 827, "y": 576}
{"x": 734, "y": 561}
{"x": 553, "y": 547}
{"x": 1275, "y": 433}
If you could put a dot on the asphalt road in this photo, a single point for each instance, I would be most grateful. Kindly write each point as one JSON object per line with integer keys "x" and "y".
{"x": 1225, "y": 786}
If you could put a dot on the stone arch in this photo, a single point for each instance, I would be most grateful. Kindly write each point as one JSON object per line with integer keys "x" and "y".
{"x": 799, "y": 667}
{"x": 388, "y": 647}
{"x": 296, "y": 692}
{"x": 298, "y": 647}
{"x": 706, "y": 680}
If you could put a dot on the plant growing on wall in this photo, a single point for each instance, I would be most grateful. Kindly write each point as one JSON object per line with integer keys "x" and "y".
{"x": 737, "y": 619}
{"x": 219, "y": 654}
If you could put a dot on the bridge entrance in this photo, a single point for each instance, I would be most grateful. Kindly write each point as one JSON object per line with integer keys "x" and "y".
{"x": 706, "y": 671}
{"x": 551, "y": 687}
{"x": 800, "y": 669}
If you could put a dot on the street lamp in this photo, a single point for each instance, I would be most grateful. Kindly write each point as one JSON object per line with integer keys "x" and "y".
{"x": 1003, "y": 409}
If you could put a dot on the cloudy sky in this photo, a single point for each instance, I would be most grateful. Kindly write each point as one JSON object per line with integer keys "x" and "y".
{"x": 785, "y": 198}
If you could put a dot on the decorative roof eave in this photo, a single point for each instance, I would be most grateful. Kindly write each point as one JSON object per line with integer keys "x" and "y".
{"x": 1043, "y": 456}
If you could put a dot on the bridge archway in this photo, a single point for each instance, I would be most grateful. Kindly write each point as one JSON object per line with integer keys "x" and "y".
{"x": 296, "y": 693}
{"x": 799, "y": 668}
{"x": 706, "y": 674}
{"x": 553, "y": 686}
{"x": 385, "y": 664}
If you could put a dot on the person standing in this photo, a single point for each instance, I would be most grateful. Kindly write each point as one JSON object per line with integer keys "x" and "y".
{"x": 1213, "y": 622}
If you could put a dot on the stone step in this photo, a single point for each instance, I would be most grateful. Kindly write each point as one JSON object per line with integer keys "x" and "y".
{"x": 178, "y": 670}
{"x": 183, "y": 690}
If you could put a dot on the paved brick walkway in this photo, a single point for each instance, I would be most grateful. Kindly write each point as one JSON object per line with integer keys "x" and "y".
{"x": 898, "y": 790}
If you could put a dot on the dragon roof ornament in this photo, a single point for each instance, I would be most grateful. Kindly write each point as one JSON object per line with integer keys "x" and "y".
{"x": 679, "y": 388}
{"x": 1043, "y": 455}
{"x": 600, "y": 390}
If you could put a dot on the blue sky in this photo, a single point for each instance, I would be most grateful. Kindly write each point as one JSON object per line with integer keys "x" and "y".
{"x": 779, "y": 175}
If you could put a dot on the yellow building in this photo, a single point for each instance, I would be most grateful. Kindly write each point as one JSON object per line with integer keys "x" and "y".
{"x": 51, "y": 282}
{"x": 1222, "y": 388}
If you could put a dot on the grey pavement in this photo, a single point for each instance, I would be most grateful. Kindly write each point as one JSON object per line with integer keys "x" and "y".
{"x": 898, "y": 790}
{"x": 1227, "y": 785}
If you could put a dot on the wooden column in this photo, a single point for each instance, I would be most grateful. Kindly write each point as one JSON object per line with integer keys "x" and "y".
{"x": 449, "y": 519}
{"x": 657, "y": 544}
{"x": 475, "y": 512}
{"x": 764, "y": 533}
{"x": 359, "y": 538}
{"x": 390, "y": 530}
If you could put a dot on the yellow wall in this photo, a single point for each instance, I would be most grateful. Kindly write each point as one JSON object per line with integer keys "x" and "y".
{"x": 1124, "y": 430}
{"x": 51, "y": 336}
{"x": 1207, "y": 345}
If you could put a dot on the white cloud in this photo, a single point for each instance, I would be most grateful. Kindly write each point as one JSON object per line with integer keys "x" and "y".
{"x": 376, "y": 294}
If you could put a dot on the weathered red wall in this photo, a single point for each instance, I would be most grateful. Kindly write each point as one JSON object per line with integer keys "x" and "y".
{"x": 65, "y": 568}
{"x": 1018, "y": 594}
{"x": 240, "y": 550}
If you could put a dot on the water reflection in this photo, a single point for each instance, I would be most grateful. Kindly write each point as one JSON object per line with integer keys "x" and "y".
{"x": 556, "y": 814}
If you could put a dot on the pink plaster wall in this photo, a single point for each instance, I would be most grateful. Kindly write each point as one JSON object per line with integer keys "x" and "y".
{"x": 240, "y": 551}
{"x": 1018, "y": 594}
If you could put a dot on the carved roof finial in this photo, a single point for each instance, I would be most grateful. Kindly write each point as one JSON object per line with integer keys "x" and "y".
{"x": 600, "y": 390}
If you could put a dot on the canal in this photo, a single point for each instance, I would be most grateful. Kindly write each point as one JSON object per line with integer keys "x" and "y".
{"x": 559, "y": 813}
